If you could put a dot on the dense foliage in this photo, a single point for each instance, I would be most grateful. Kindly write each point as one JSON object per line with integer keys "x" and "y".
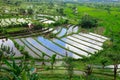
{"x": 88, "y": 22}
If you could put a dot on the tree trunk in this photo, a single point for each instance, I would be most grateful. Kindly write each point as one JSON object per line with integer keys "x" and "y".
{"x": 52, "y": 66}
{"x": 103, "y": 66}
{"x": 43, "y": 63}
{"x": 115, "y": 71}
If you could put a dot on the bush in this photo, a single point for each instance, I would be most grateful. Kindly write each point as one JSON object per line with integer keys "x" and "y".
{"x": 61, "y": 22}
{"x": 88, "y": 22}
{"x": 51, "y": 35}
{"x": 22, "y": 11}
{"x": 37, "y": 26}
{"x": 30, "y": 11}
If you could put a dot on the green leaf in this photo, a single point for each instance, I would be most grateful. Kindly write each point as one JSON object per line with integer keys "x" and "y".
{"x": 9, "y": 65}
{"x": 24, "y": 75}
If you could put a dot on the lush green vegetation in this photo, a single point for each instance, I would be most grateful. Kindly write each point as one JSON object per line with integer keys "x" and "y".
{"x": 103, "y": 19}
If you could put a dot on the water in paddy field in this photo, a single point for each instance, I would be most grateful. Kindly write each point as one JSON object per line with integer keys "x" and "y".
{"x": 55, "y": 47}
{"x": 49, "y": 47}
{"x": 76, "y": 45}
{"x": 9, "y": 43}
{"x": 62, "y": 33}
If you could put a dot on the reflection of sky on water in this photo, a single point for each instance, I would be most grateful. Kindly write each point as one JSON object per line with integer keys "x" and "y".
{"x": 42, "y": 48}
{"x": 70, "y": 30}
{"x": 10, "y": 44}
{"x": 63, "y": 44}
{"x": 26, "y": 48}
{"x": 80, "y": 46}
{"x": 75, "y": 29}
{"x": 87, "y": 39}
{"x": 78, "y": 43}
{"x": 27, "y": 43}
{"x": 73, "y": 48}
{"x": 52, "y": 46}
{"x": 6, "y": 43}
{"x": 56, "y": 30}
{"x": 84, "y": 42}
{"x": 62, "y": 33}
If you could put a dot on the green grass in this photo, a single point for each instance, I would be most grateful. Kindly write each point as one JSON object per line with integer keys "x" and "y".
{"x": 15, "y": 29}
{"x": 105, "y": 20}
{"x": 57, "y": 77}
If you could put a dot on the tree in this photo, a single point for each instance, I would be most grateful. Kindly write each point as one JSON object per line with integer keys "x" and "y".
{"x": 1, "y": 57}
{"x": 103, "y": 61}
{"x": 115, "y": 58}
{"x": 18, "y": 3}
{"x": 22, "y": 11}
{"x": 60, "y": 11}
{"x": 7, "y": 1}
{"x": 30, "y": 11}
{"x": 53, "y": 59}
{"x": 43, "y": 58}
{"x": 50, "y": 4}
{"x": 18, "y": 71}
{"x": 88, "y": 71}
{"x": 108, "y": 9}
{"x": 4, "y": 31}
{"x": 75, "y": 11}
{"x": 68, "y": 63}
{"x": 88, "y": 22}
{"x": 113, "y": 50}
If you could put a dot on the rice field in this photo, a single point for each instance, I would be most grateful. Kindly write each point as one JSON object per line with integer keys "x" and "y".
{"x": 68, "y": 39}
{"x": 75, "y": 45}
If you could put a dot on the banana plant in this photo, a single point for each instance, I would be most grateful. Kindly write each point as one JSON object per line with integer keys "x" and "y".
{"x": 7, "y": 50}
{"x": 14, "y": 69}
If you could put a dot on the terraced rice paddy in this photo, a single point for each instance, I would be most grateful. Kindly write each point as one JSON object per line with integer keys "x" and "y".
{"x": 75, "y": 45}
{"x": 7, "y": 21}
{"x": 35, "y": 30}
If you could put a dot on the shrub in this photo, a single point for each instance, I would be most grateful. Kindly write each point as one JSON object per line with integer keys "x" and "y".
{"x": 22, "y": 11}
{"x": 51, "y": 35}
{"x": 88, "y": 22}
{"x": 37, "y": 26}
{"x": 61, "y": 22}
{"x": 30, "y": 11}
